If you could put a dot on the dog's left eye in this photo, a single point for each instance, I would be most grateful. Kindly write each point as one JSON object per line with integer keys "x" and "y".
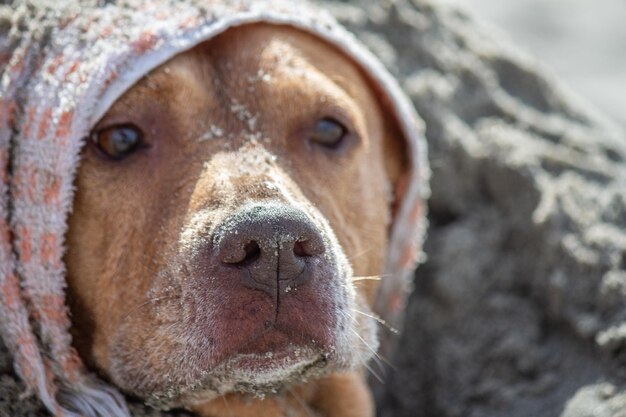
{"x": 118, "y": 141}
{"x": 329, "y": 133}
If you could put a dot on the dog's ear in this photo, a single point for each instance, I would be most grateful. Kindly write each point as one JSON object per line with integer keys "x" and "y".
{"x": 396, "y": 161}
{"x": 394, "y": 289}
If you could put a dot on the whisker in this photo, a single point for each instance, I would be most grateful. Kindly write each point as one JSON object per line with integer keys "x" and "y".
{"x": 370, "y": 278}
{"x": 374, "y": 374}
{"x": 230, "y": 412}
{"x": 377, "y": 357}
{"x": 379, "y": 321}
{"x": 301, "y": 402}
{"x": 359, "y": 254}
{"x": 367, "y": 345}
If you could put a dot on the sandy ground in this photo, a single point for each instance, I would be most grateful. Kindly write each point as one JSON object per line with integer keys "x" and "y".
{"x": 520, "y": 308}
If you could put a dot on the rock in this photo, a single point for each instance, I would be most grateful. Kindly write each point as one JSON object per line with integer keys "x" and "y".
{"x": 599, "y": 400}
{"x": 520, "y": 309}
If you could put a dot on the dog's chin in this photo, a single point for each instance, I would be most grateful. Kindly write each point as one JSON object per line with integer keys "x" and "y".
{"x": 250, "y": 374}
{"x": 261, "y": 374}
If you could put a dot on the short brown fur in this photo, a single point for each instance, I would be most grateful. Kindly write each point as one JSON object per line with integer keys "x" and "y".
{"x": 128, "y": 214}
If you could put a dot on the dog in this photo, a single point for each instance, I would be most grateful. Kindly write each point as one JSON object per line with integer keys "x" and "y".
{"x": 229, "y": 210}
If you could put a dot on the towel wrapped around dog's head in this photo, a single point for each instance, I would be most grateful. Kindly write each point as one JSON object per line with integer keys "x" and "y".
{"x": 62, "y": 66}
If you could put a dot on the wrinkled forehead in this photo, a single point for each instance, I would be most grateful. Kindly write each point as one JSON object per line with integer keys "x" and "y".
{"x": 252, "y": 64}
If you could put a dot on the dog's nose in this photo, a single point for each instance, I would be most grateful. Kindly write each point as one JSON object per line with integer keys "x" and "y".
{"x": 273, "y": 245}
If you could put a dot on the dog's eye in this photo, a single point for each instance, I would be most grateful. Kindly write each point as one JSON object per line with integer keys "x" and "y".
{"x": 118, "y": 141}
{"x": 329, "y": 133}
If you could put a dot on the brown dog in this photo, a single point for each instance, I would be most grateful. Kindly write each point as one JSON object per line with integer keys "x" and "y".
{"x": 226, "y": 206}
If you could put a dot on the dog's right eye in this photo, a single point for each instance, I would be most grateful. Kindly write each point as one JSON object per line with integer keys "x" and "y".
{"x": 118, "y": 141}
{"x": 328, "y": 133}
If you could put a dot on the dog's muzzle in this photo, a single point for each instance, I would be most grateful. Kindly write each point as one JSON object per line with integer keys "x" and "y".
{"x": 268, "y": 280}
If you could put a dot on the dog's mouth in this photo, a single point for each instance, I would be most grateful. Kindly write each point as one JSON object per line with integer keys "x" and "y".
{"x": 269, "y": 371}
{"x": 277, "y": 354}
{"x": 266, "y": 365}
{"x": 274, "y": 342}
{"x": 258, "y": 376}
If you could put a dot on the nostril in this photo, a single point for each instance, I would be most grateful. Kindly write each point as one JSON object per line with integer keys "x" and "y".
{"x": 235, "y": 253}
{"x": 308, "y": 247}
{"x": 299, "y": 249}
{"x": 253, "y": 251}
{"x": 263, "y": 238}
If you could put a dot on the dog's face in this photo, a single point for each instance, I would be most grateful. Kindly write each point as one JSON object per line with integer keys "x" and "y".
{"x": 226, "y": 207}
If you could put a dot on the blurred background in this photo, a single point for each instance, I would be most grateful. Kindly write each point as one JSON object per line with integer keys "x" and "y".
{"x": 581, "y": 41}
